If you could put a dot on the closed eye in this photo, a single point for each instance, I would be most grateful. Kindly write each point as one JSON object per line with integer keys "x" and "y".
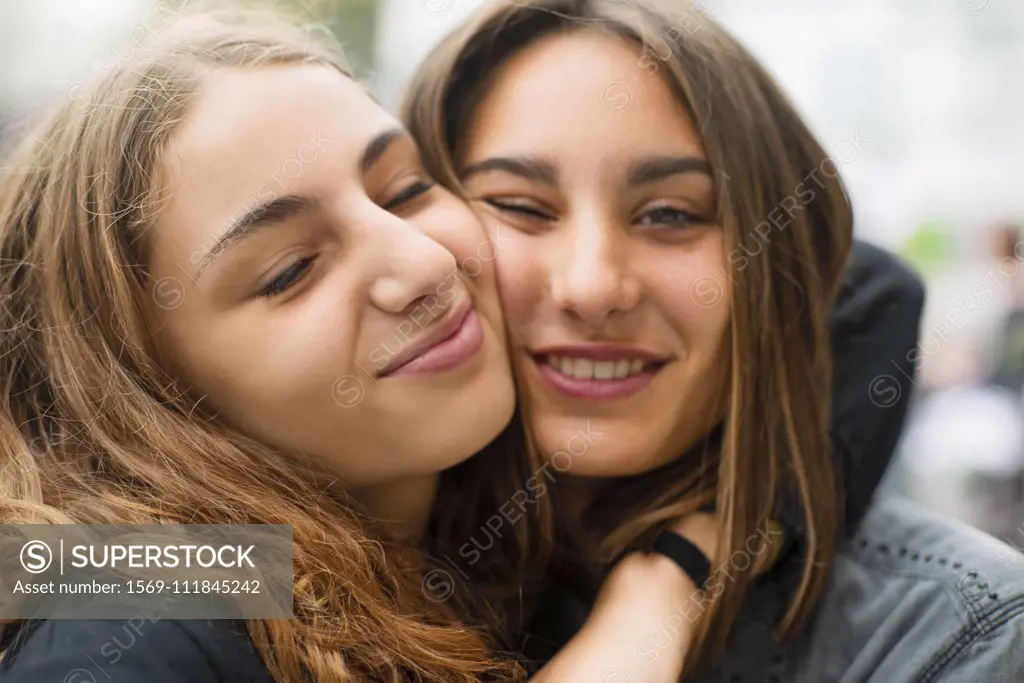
{"x": 506, "y": 206}
{"x": 288, "y": 277}
{"x": 410, "y": 193}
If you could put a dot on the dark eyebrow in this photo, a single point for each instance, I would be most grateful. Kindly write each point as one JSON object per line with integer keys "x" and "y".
{"x": 525, "y": 167}
{"x": 276, "y": 210}
{"x": 653, "y": 169}
{"x": 378, "y": 145}
{"x": 281, "y": 209}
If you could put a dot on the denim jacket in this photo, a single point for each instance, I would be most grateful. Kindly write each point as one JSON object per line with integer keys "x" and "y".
{"x": 912, "y": 598}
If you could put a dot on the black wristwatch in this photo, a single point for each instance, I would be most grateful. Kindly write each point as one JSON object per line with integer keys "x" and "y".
{"x": 680, "y": 550}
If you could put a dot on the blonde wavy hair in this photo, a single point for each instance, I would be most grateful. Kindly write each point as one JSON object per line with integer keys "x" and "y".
{"x": 93, "y": 429}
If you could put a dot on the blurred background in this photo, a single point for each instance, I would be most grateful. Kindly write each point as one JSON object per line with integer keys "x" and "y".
{"x": 932, "y": 90}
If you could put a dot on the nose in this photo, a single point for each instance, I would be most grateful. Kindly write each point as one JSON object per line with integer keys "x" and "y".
{"x": 592, "y": 280}
{"x": 412, "y": 266}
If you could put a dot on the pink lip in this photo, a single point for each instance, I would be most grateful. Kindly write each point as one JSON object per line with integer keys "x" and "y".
{"x": 456, "y": 341}
{"x": 597, "y": 389}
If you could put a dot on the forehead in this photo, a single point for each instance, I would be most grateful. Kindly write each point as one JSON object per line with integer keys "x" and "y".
{"x": 583, "y": 91}
{"x": 258, "y": 134}
{"x": 247, "y": 124}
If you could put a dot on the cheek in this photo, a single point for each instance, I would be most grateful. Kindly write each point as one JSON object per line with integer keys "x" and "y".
{"x": 257, "y": 364}
{"x": 522, "y": 278}
{"x": 693, "y": 291}
{"x": 454, "y": 226}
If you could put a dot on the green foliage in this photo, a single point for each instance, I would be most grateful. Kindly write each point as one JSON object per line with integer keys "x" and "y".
{"x": 352, "y": 21}
{"x": 929, "y": 247}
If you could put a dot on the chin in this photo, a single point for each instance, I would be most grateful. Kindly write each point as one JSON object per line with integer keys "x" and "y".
{"x": 480, "y": 410}
{"x": 598, "y": 447}
{"x": 463, "y": 435}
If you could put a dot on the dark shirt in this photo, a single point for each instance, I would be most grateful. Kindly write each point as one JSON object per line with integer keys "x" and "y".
{"x": 874, "y": 328}
{"x": 131, "y": 651}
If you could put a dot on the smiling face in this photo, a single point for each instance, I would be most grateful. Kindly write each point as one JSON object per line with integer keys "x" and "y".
{"x": 316, "y": 287}
{"x": 611, "y": 267}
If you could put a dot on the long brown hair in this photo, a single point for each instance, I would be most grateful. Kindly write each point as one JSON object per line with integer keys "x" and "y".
{"x": 93, "y": 429}
{"x": 774, "y": 446}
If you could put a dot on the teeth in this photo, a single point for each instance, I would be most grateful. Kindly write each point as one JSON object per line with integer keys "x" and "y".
{"x": 584, "y": 368}
{"x": 622, "y": 369}
{"x": 604, "y": 369}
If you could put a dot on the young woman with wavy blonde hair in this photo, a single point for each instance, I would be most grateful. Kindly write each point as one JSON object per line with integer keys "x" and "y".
{"x": 233, "y": 296}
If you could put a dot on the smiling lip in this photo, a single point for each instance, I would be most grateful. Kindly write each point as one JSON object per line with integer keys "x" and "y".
{"x": 451, "y": 343}
{"x": 598, "y": 389}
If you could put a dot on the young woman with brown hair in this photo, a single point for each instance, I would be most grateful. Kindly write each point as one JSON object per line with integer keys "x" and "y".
{"x": 674, "y": 239}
